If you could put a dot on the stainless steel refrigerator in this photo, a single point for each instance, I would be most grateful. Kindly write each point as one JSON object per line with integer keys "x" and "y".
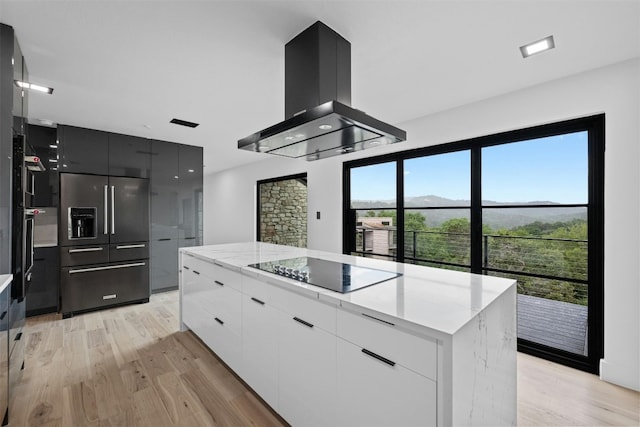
{"x": 104, "y": 241}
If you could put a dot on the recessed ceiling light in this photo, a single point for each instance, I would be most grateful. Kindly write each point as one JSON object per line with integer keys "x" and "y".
{"x": 537, "y": 46}
{"x": 33, "y": 86}
{"x": 176, "y": 177}
{"x": 191, "y": 170}
{"x": 53, "y": 146}
{"x": 184, "y": 123}
{"x": 325, "y": 127}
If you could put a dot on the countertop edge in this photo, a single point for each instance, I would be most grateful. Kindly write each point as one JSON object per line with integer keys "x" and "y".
{"x": 5, "y": 280}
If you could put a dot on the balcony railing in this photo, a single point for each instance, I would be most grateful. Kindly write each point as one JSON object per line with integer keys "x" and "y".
{"x": 551, "y": 274}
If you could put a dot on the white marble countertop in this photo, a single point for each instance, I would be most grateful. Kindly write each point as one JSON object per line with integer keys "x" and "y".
{"x": 440, "y": 300}
{"x": 5, "y": 280}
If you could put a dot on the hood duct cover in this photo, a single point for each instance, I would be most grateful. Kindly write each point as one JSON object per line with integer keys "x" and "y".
{"x": 320, "y": 122}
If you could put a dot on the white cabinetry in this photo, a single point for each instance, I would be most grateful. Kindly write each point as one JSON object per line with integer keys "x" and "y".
{"x": 386, "y": 355}
{"x": 259, "y": 341}
{"x": 374, "y": 388}
{"x": 307, "y": 369}
{"x": 212, "y": 306}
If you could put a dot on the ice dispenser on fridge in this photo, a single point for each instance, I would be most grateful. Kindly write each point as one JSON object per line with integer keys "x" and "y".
{"x": 82, "y": 223}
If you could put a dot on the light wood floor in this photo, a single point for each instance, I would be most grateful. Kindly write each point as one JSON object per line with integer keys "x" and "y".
{"x": 131, "y": 366}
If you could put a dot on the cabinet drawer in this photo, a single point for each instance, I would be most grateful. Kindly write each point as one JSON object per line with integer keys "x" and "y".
{"x": 254, "y": 288}
{"x": 223, "y": 303}
{"x": 83, "y": 255}
{"x": 225, "y": 342}
{"x": 310, "y": 310}
{"x": 227, "y": 277}
{"x": 197, "y": 266}
{"x": 84, "y": 288}
{"x": 416, "y": 353}
{"x": 128, "y": 251}
{"x": 373, "y": 393}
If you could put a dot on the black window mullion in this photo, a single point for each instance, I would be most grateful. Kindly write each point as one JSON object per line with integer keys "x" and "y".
{"x": 476, "y": 209}
{"x": 400, "y": 210}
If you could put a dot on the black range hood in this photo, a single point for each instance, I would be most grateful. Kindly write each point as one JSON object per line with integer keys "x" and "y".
{"x": 320, "y": 122}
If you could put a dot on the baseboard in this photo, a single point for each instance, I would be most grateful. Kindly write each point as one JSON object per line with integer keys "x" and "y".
{"x": 623, "y": 376}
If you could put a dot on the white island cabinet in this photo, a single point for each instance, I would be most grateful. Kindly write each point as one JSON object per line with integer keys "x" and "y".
{"x": 428, "y": 348}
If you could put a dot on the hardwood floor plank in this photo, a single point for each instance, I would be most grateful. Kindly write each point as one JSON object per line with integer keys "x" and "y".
{"x": 80, "y": 406}
{"x": 182, "y": 404}
{"x": 148, "y": 409}
{"x": 109, "y": 389}
{"x": 216, "y": 405}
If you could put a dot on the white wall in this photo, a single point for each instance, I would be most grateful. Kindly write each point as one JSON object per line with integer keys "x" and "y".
{"x": 615, "y": 90}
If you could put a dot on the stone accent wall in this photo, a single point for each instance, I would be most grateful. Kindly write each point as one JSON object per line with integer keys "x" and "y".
{"x": 283, "y": 213}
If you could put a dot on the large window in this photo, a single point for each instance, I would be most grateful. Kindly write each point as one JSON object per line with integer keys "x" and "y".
{"x": 525, "y": 204}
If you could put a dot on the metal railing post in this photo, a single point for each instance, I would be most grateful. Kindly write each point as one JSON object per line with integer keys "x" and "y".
{"x": 485, "y": 258}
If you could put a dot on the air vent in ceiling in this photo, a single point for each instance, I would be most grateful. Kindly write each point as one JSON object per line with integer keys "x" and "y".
{"x": 184, "y": 123}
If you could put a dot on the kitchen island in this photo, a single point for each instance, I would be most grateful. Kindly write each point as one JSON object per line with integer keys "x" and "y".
{"x": 428, "y": 347}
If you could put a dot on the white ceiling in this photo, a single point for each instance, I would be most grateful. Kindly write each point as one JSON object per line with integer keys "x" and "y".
{"x": 131, "y": 66}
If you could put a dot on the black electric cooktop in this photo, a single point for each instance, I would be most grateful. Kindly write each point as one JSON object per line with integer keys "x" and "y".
{"x": 336, "y": 276}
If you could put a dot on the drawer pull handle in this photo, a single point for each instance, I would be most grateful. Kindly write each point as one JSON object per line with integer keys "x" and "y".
{"x": 196, "y": 272}
{"x": 379, "y": 320}
{"x": 164, "y": 240}
{"x": 377, "y": 356}
{"x": 106, "y": 297}
{"x": 4, "y": 314}
{"x": 75, "y": 251}
{"x": 185, "y": 267}
{"x": 18, "y": 337}
{"x": 257, "y": 300}
{"x": 189, "y": 238}
{"x": 218, "y": 283}
{"x": 139, "y": 245}
{"x": 303, "y": 322}
{"x": 219, "y": 321}
{"x": 111, "y": 267}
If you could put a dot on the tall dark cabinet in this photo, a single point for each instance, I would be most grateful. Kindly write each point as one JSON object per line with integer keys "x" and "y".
{"x": 176, "y": 208}
{"x": 43, "y": 294}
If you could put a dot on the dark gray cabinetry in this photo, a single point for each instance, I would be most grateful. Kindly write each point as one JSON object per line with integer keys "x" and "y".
{"x": 4, "y": 351}
{"x": 6, "y": 144}
{"x": 43, "y": 295}
{"x": 129, "y": 156}
{"x": 43, "y": 141}
{"x": 176, "y": 208}
{"x": 164, "y": 215}
{"x": 103, "y": 153}
{"x": 190, "y": 195}
{"x": 83, "y": 150}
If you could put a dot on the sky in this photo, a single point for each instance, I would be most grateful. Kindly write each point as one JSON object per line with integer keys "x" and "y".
{"x": 544, "y": 169}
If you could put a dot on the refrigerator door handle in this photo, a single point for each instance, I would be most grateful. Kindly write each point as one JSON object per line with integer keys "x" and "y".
{"x": 110, "y": 267}
{"x": 106, "y": 215}
{"x": 113, "y": 210}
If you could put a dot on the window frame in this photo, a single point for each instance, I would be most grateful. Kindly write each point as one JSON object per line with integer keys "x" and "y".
{"x": 302, "y": 176}
{"x": 595, "y": 126}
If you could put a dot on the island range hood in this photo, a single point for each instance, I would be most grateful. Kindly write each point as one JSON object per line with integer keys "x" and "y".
{"x": 320, "y": 122}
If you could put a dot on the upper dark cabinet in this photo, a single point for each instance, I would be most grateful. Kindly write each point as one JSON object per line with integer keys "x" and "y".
{"x": 103, "y": 153}
{"x": 43, "y": 141}
{"x": 164, "y": 190}
{"x": 83, "y": 150}
{"x": 129, "y": 156}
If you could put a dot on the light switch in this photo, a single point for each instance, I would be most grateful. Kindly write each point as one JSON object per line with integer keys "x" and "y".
{"x": 318, "y": 215}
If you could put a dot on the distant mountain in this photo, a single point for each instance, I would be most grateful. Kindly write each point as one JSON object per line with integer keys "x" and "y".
{"x": 495, "y": 218}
